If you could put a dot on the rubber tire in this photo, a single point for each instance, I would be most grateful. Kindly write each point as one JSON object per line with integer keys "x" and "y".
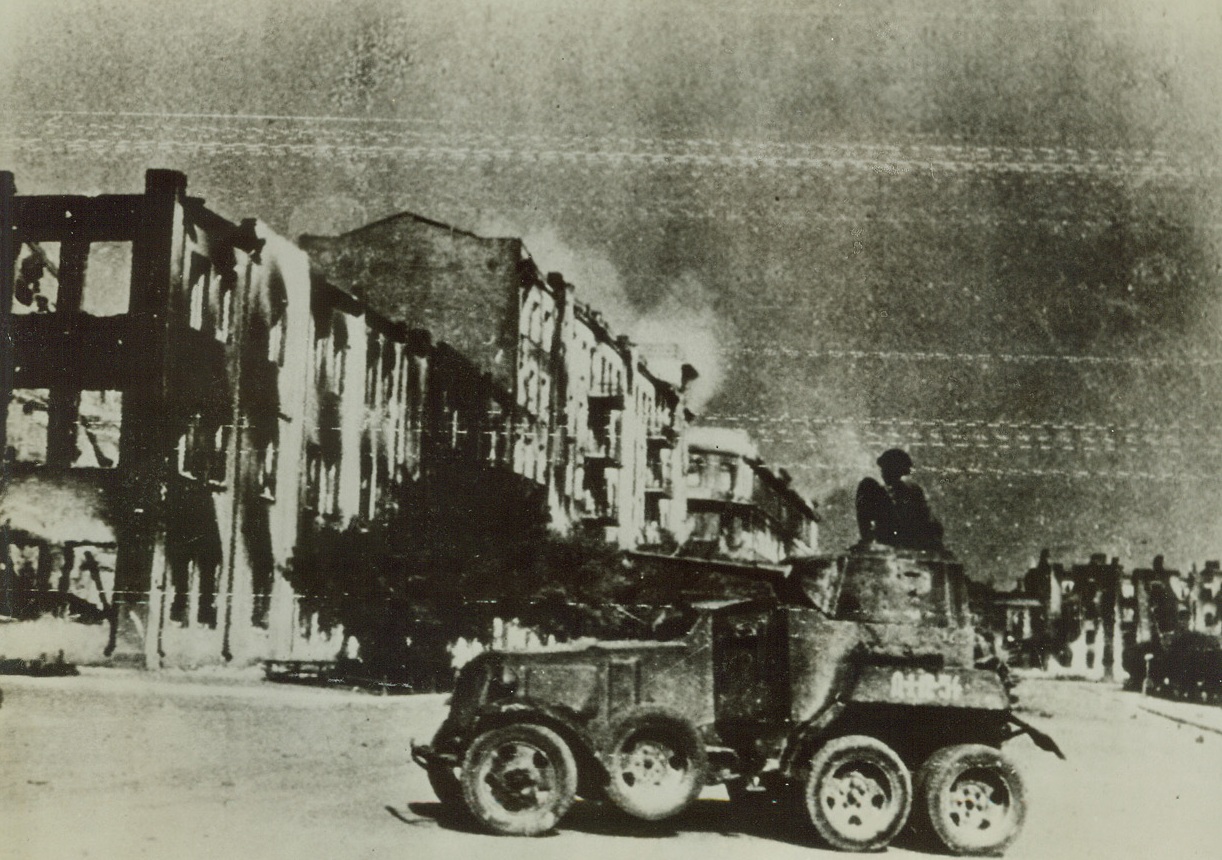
{"x": 447, "y": 785}
{"x": 667, "y": 733}
{"x": 935, "y": 808}
{"x": 550, "y": 753}
{"x": 879, "y": 760}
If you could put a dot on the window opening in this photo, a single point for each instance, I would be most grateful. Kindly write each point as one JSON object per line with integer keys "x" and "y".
{"x": 26, "y": 426}
{"x": 36, "y": 285}
{"x": 108, "y": 279}
{"x": 197, "y": 284}
{"x": 269, "y": 459}
{"x": 224, "y": 317}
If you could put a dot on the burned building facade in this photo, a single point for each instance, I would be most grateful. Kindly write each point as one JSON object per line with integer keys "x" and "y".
{"x": 192, "y": 511}
{"x": 736, "y": 507}
{"x": 583, "y": 421}
{"x": 622, "y": 423}
{"x": 1100, "y": 620}
{"x": 1070, "y": 619}
{"x": 190, "y": 398}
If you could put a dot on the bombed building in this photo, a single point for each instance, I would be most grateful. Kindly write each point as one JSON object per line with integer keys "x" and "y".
{"x": 191, "y": 398}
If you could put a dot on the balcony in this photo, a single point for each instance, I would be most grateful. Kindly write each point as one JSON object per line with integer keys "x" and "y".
{"x": 598, "y": 513}
{"x": 661, "y": 436}
{"x": 658, "y": 484}
{"x": 700, "y": 499}
{"x": 604, "y": 452}
{"x": 606, "y": 397}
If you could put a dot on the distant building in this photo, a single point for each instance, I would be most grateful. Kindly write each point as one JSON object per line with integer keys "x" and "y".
{"x": 624, "y": 427}
{"x": 1086, "y": 619}
{"x": 736, "y": 507}
{"x": 1206, "y": 599}
{"x": 1168, "y": 601}
{"x": 585, "y": 422}
{"x": 481, "y": 298}
{"x": 662, "y": 447}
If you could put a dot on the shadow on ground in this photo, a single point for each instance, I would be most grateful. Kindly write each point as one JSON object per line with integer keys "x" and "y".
{"x": 760, "y": 820}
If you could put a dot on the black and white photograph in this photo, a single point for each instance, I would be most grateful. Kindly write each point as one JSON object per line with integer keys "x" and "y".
{"x": 650, "y": 429}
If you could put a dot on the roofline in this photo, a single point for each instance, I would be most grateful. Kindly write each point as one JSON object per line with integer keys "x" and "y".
{"x": 432, "y": 222}
{"x": 345, "y": 301}
{"x": 585, "y": 313}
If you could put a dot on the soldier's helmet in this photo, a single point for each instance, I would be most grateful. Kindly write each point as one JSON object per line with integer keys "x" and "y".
{"x": 895, "y": 459}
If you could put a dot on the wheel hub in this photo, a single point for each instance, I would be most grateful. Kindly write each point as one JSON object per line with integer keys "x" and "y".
{"x": 520, "y": 777}
{"x": 855, "y": 800}
{"x": 651, "y": 765}
{"x": 974, "y": 805}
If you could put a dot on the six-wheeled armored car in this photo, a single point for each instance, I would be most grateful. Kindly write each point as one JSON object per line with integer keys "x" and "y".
{"x": 856, "y": 692}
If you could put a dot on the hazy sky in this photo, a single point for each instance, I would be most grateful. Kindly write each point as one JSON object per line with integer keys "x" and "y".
{"x": 988, "y": 232}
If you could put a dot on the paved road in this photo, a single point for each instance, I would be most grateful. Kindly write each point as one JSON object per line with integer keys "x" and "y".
{"x": 115, "y": 764}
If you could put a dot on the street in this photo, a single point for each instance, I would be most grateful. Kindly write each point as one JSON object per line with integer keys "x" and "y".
{"x": 120, "y": 764}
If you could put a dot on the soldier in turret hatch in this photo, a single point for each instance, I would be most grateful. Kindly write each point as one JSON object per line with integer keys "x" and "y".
{"x": 895, "y": 512}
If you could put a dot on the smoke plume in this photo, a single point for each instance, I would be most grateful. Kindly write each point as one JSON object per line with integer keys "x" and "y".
{"x": 680, "y": 313}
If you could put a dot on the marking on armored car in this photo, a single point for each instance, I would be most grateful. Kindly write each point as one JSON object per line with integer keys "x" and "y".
{"x": 922, "y": 686}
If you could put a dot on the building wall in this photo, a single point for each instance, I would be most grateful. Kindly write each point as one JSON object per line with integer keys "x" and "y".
{"x": 481, "y": 298}
{"x": 1170, "y": 600}
{"x": 598, "y": 397}
{"x": 578, "y": 428}
{"x": 462, "y": 288}
{"x": 647, "y": 484}
{"x": 1207, "y": 599}
{"x": 533, "y": 427}
{"x": 266, "y": 389}
{"x": 201, "y": 504}
{"x": 89, "y": 501}
{"x": 578, "y": 345}
{"x": 238, "y": 327}
{"x": 735, "y": 507}
{"x": 617, "y": 434}
{"x": 335, "y": 407}
{"x": 666, "y": 464}
{"x": 395, "y": 368}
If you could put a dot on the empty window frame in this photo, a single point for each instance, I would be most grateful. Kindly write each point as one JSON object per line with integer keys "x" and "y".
{"x": 202, "y": 450}
{"x": 198, "y": 272}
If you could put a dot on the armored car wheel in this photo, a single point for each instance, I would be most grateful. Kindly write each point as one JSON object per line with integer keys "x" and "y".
{"x": 520, "y": 779}
{"x": 971, "y": 798}
{"x": 656, "y": 765}
{"x": 858, "y": 793}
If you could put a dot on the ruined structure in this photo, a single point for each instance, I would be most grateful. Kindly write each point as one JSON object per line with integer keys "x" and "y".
{"x": 190, "y": 519}
{"x": 1099, "y": 620}
{"x": 1068, "y": 620}
{"x": 191, "y": 398}
{"x": 586, "y": 421}
{"x": 738, "y": 508}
